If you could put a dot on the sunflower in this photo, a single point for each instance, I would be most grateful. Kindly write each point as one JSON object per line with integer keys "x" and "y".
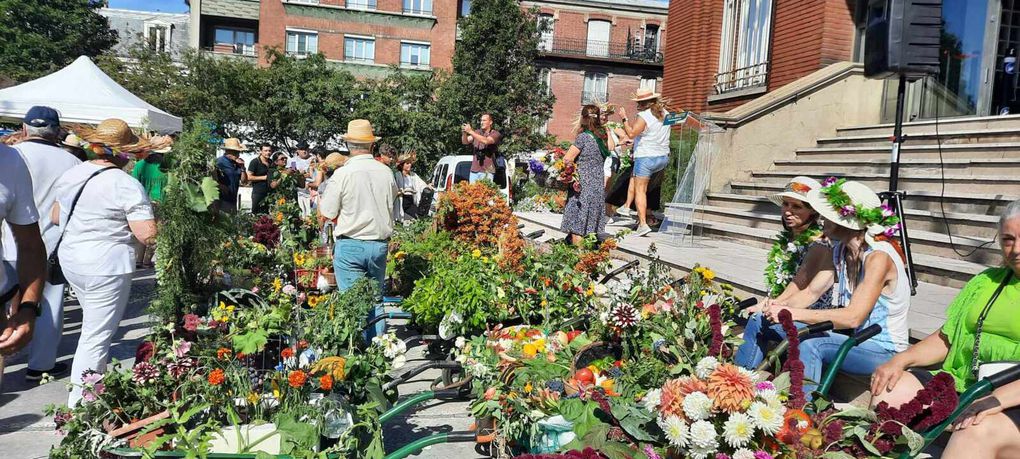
{"x": 313, "y": 301}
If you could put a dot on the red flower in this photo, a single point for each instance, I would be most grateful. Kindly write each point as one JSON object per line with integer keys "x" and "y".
{"x": 326, "y": 382}
{"x": 223, "y": 353}
{"x": 715, "y": 322}
{"x": 145, "y": 351}
{"x": 216, "y": 377}
{"x": 190, "y": 322}
{"x": 287, "y": 352}
{"x": 793, "y": 363}
{"x": 303, "y": 344}
{"x": 297, "y": 378}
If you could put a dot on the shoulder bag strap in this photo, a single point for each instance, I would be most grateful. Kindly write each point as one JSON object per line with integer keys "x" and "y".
{"x": 74, "y": 203}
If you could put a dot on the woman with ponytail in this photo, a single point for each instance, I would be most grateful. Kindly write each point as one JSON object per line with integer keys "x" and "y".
{"x": 585, "y": 211}
{"x": 651, "y": 154}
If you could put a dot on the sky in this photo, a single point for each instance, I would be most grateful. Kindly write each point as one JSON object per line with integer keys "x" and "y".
{"x": 166, "y": 6}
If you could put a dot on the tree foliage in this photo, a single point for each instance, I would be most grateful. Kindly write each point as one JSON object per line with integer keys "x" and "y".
{"x": 39, "y": 37}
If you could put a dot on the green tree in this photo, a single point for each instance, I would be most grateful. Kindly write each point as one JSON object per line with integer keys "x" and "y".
{"x": 39, "y": 37}
{"x": 494, "y": 71}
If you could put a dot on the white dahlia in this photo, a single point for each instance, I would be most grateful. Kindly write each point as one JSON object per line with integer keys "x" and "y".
{"x": 738, "y": 430}
{"x": 705, "y": 367}
{"x": 697, "y": 406}
{"x": 704, "y": 439}
{"x": 743, "y": 453}
{"x": 652, "y": 400}
{"x": 676, "y": 431}
{"x": 766, "y": 417}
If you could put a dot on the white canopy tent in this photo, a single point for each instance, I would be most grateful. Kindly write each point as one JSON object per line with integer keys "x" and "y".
{"x": 82, "y": 93}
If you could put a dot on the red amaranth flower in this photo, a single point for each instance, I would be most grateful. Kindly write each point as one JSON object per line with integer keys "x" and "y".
{"x": 793, "y": 363}
{"x": 833, "y": 431}
{"x": 715, "y": 322}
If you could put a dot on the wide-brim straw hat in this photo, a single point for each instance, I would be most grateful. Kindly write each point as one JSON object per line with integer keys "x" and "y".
{"x": 334, "y": 161}
{"x": 797, "y": 188}
{"x": 643, "y": 94}
{"x": 161, "y": 144}
{"x": 407, "y": 158}
{"x": 115, "y": 134}
{"x": 233, "y": 144}
{"x": 360, "y": 131}
{"x": 71, "y": 140}
{"x": 858, "y": 193}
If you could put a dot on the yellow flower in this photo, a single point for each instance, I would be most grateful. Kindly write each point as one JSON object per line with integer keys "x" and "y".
{"x": 476, "y": 253}
{"x": 485, "y": 259}
{"x": 279, "y": 217}
{"x": 527, "y": 387}
{"x": 281, "y": 201}
{"x": 230, "y": 309}
{"x": 223, "y": 305}
{"x": 544, "y": 303}
{"x": 253, "y": 398}
{"x": 313, "y": 301}
{"x": 299, "y": 259}
{"x": 277, "y": 285}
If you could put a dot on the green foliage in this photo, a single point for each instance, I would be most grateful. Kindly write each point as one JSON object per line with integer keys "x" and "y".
{"x": 335, "y": 325}
{"x": 40, "y": 37}
{"x": 494, "y": 71}
{"x": 188, "y": 241}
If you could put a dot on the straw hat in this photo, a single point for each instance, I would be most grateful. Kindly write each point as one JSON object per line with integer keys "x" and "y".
{"x": 72, "y": 141}
{"x": 233, "y": 144}
{"x": 360, "y": 131}
{"x": 858, "y": 193}
{"x": 114, "y": 134}
{"x": 409, "y": 157}
{"x": 645, "y": 94}
{"x": 798, "y": 189}
{"x": 334, "y": 161}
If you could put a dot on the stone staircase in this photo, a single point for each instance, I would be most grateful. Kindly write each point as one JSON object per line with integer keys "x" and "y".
{"x": 981, "y": 158}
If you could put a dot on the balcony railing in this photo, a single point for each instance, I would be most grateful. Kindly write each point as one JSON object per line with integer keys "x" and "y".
{"x": 754, "y": 76}
{"x": 234, "y": 48}
{"x": 631, "y": 50}
{"x": 594, "y": 97}
{"x": 418, "y": 11}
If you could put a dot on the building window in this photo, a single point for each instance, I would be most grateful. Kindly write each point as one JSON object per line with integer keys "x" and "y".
{"x": 418, "y": 7}
{"x": 236, "y": 41}
{"x": 359, "y": 49}
{"x": 648, "y": 83}
{"x": 415, "y": 54}
{"x": 745, "y": 42}
{"x": 598, "y": 38}
{"x": 157, "y": 36}
{"x": 546, "y": 25}
{"x": 465, "y": 7}
{"x": 596, "y": 88}
{"x": 652, "y": 37}
{"x": 362, "y": 4}
{"x": 545, "y": 76}
{"x": 302, "y": 43}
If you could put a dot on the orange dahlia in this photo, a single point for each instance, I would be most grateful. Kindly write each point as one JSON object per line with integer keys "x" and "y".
{"x": 216, "y": 377}
{"x": 674, "y": 391}
{"x": 297, "y": 378}
{"x": 730, "y": 389}
{"x": 326, "y": 382}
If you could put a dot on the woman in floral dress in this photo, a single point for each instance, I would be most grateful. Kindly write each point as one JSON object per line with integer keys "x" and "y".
{"x": 584, "y": 213}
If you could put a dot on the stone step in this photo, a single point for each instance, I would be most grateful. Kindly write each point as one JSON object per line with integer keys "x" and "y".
{"x": 911, "y": 181}
{"x": 964, "y": 224}
{"x": 932, "y": 269}
{"x": 962, "y": 123}
{"x": 991, "y": 204}
{"x": 977, "y": 250}
{"x": 742, "y": 265}
{"x": 944, "y": 136}
{"x": 957, "y": 167}
{"x": 911, "y": 151}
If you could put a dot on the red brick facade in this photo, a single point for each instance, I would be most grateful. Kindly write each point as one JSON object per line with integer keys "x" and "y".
{"x": 806, "y": 36}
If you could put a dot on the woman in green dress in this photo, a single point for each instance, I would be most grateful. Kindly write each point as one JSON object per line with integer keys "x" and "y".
{"x": 151, "y": 173}
{"x": 981, "y": 327}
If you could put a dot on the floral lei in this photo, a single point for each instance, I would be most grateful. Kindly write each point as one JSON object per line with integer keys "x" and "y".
{"x": 878, "y": 220}
{"x": 785, "y": 258}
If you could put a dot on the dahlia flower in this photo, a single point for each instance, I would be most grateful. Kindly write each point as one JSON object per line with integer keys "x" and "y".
{"x": 697, "y": 406}
{"x": 765, "y": 417}
{"x": 738, "y": 430}
{"x": 730, "y": 389}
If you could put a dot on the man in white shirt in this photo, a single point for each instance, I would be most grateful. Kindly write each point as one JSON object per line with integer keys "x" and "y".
{"x": 22, "y": 288}
{"x": 360, "y": 196}
{"x": 46, "y": 162}
{"x": 301, "y": 163}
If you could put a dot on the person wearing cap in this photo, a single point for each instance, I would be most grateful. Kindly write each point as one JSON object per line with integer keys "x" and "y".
{"x": 301, "y": 162}
{"x": 101, "y": 211}
{"x": 230, "y": 173}
{"x": 46, "y": 162}
{"x": 651, "y": 154}
{"x": 360, "y": 196}
{"x": 23, "y": 288}
{"x": 410, "y": 186}
{"x": 485, "y": 148}
{"x": 872, "y": 286}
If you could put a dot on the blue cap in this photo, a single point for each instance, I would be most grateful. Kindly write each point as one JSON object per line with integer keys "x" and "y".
{"x": 42, "y": 116}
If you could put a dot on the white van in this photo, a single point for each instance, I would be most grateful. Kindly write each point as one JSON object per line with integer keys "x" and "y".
{"x": 451, "y": 170}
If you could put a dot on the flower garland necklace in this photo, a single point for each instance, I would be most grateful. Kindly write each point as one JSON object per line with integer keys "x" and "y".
{"x": 785, "y": 257}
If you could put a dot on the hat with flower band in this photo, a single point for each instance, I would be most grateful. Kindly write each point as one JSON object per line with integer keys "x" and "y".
{"x": 112, "y": 137}
{"x": 854, "y": 206}
{"x": 797, "y": 188}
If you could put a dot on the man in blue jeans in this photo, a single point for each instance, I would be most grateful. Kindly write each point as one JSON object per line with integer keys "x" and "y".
{"x": 360, "y": 197}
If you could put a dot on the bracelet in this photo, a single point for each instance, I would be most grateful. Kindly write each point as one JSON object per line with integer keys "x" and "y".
{"x": 30, "y": 305}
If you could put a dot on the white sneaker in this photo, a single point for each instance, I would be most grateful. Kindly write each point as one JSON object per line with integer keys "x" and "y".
{"x": 623, "y": 212}
{"x": 642, "y": 230}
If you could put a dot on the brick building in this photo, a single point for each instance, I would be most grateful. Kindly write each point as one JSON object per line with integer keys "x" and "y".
{"x": 598, "y": 51}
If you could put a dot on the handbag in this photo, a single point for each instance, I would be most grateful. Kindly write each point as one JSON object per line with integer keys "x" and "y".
{"x": 56, "y": 273}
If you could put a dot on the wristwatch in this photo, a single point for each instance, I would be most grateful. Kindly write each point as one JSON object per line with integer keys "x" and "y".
{"x": 31, "y": 305}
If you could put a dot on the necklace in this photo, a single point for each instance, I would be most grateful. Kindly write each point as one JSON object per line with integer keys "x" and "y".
{"x": 785, "y": 258}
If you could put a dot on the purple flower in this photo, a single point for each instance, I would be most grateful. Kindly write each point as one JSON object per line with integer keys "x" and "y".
{"x": 90, "y": 377}
{"x": 191, "y": 322}
{"x": 722, "y": 456}
{"x": 144, "y": 372}
{"x": 764, "y": 385}
{"x": 891, "y": 231}
{"x": 289, "y": 289}
{"x": 847, "y": 211}
{"x": 887, "y": 211}
{"x": 182, "y": 349}
{"x": 828, "y": 182}
{"x": 536, "y": 166}
{"x": 762, "y": 455}
{"x": 91, "y": 395}
{"x": 650, "y": 452}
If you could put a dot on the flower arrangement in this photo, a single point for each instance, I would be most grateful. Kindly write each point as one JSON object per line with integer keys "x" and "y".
{"x": 882, "y": 218}
{"x": 785, "y": 257}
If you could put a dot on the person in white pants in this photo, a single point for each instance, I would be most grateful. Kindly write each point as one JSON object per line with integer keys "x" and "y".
{"x": 46, "y": 162}
{"x": 101, "y": 210}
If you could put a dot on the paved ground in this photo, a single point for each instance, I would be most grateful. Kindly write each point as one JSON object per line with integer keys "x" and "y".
{"x": 25, "y": 432}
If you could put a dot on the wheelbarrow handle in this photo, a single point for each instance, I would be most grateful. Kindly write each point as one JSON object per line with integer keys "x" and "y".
{"x": 617, "y": 271}
{"x": 748, "y": 302}
{"x": 535, "y": 234}
{"x": 1004, "y": 377}
{"x": 386, "y": 316}
{"x": 870, "y": 332}
{"x": 817, "y": 328}
{"x": 830, "y": 373}
{"x": 422, "y": 443}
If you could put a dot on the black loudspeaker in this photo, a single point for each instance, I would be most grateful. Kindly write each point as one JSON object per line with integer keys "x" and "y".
{"x": 902, "y": 38}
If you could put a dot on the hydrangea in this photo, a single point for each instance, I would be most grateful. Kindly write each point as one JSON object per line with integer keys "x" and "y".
{"x": 705, "y": 367}
{"x": 675, "y": 430}
{"x": 738, "y": 430}
{"x": 703, "y": 438}
{"x": 652, "y": 400}
{"x": 697, "y": 406}
{"x": 766, "y": 417}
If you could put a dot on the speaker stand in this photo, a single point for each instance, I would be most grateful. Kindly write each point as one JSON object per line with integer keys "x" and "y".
{"x": 894, "y": 197}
